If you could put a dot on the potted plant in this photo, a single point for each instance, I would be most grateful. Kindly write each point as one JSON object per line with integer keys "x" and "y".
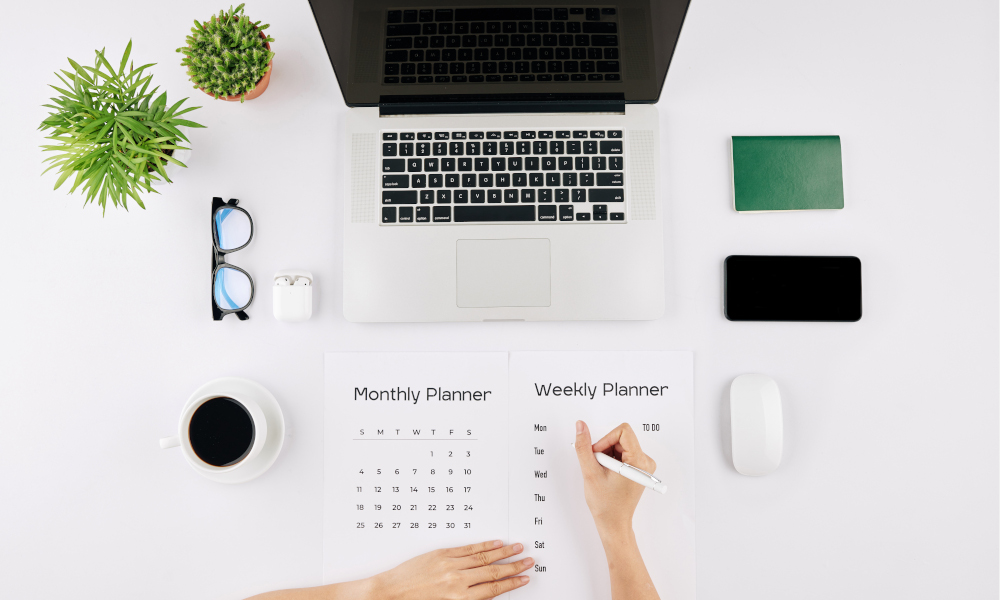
{"x": 111, "y": 133}
{"x": 229, "y": 56}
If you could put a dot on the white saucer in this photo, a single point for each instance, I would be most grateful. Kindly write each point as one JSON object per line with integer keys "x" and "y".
{"x": 236, "y": 387}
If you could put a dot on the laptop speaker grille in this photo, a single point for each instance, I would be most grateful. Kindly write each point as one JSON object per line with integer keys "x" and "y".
{"x": 363, "y": 192}
{"x": 642, "y": 178}
{"x": 367, "y": 53}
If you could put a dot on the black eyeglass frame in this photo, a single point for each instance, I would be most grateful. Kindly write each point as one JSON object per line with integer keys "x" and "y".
{"x": 219, "y": 260}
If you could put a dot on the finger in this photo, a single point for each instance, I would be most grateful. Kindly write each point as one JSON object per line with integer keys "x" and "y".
{"x": 481, "y": 559}
{"x": 493, "y": 589}
{"x": 472, "y": 549}
{"x": 608, "y": 441}
{"x": 498, "y": 571}
{"x": 584, "y": 451}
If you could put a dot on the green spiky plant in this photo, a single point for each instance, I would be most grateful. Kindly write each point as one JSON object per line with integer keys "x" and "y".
{"x": 110, "y": 132}
{"x": 226, "y": 55}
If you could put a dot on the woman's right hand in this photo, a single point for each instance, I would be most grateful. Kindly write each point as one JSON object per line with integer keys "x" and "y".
{"x": 611, "y": 498}
{"x": 466, "y": 573}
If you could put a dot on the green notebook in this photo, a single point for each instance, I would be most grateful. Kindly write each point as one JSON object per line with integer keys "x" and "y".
{"x": 787, "y": 173}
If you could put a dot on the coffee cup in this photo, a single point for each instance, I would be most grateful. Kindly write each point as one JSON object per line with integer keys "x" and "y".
{"x": 219, "y": 433}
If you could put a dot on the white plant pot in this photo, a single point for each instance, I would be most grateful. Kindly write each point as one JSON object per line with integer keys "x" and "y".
{"x": 173, "y": 170}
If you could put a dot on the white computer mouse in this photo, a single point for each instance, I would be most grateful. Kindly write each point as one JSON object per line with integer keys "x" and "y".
{"x": 757, "y": 429}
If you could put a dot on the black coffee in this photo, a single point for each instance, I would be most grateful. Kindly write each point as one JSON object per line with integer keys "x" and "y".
{"x": 221, "y": 432}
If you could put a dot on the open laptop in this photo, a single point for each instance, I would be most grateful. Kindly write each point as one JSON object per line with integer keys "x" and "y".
{"x": 504, "y": 157}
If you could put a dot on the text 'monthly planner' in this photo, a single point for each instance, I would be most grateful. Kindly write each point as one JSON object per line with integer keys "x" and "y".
{"x": 433, "y": 450}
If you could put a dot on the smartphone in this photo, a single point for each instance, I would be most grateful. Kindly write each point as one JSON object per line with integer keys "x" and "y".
{"x": 793, "y": 288}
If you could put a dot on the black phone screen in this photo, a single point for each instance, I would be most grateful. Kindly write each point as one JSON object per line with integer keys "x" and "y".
{"x": 793, "y": 288}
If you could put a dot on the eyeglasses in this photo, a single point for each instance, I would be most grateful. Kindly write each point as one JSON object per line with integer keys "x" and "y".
{"x": 232, "y": 287}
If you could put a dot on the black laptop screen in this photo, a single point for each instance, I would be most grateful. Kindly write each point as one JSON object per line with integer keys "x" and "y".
{"x": 391, "y": 51}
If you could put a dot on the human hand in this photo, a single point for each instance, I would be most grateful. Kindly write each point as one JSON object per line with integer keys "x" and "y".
{"x": 611, "y": 498}
{"x": 466, "y": 573}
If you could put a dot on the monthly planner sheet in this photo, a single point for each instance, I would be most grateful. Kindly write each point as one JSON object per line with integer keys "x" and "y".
{"x": 434, "y": 450}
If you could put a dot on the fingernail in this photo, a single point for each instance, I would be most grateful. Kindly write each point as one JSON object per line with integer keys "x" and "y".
{"x": 579, "y": 427}
{"x": 518, "y": 548}
{"x": 497, "y": 544}
{"x": 525, "y": 579}
{"x": 527, "y": 562}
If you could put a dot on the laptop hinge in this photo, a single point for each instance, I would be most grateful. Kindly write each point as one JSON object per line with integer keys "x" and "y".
{"x": 508, "y": 103}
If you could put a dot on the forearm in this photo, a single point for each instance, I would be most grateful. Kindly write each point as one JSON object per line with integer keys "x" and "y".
{"x": 629, "y": 578}
{"x": 362, "y": 589}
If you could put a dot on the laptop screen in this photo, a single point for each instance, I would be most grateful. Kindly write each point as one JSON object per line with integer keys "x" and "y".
{"x": 409, "y": 51}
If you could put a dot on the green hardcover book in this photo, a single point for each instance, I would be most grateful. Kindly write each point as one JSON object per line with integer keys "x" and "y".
{"x": 787, "y": 173}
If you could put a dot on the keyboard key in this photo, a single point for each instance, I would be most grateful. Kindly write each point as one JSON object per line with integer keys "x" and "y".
{"x": 394, "y": 16}
{"x": 456, "y": 148}
{"x": 549, "y": 163}
{"x": 616, "y": 133}
{"x": 465, "y": 164}
{"x": 494, "y": 197}
{"x": 579, "y": 195}
{"x": 461, "y": 196}
{"x": 611, "y": 147}
{"x": 573, "y": 147}
{"x": 536, "y": 179}
{"x": 406, "y": 136}
{"x": 600, "y": 212}
{"x": 389, "y": 149}
{"x": 447, "y": 164}
{"x": 507, "y": 148}
{"x": 598, "y": 163}
{"x": 482, "y": 164}
{"x": 514, "y": 163}
{"x": 442, "y": 214}
{"x": 395, "y": 181}
{"x": 399, "y": 197}
{"x": 388, "y": 136}
{"x": 562, "y": 195}
{"x": 607, "y": 66}
{"x": 593, "y": 14}
{"x": 440, "y": 148}
{"x": 430, "y": 164}
{"x": 388, "y": 214}
{"x": 562, "y": 134}
{"x": 596, "y": 134}
{"x": 615, "y": 163}
{"x": 405, "y": 214}
{"x": 393, "y": 165}
{"x": 569, "y": 179}
{"x": 471, "y": 214}
{"x": 546, "y": 213}
{"x": 444, "y": 197}
{"x": 531, "y": 163}
{"x": 552, "y": 179}
{"x": 520, "y": 179}
{"x": 590, "y": 147}
{"x": 524, "y": 147}
{"x": 498, "y": 164}
{"x": 443, "y": 14}
{"x": 510, "y": 196}
{"x": 582, "y": 216}
{"x": 400, "y": 30}
{"x": 603, "y": 40}
{"x": 566, "y": 212}
{"x": 397, "y": 43}
{"x": 477, "y": 196}
{"x": 607, "y": 179}
{"x": 565, "y": 163}
{"x": 423, "y": 148}
{"x": 586, "y": 179}
{"x": 527, "y": 195}
{"x": 427, "y": 196}
{"x": 503, "y": 180}
{"x": 424, "y": 135}
{"x": 485, "y": 180}
{"x": 406, "y": 149}
{"x": 582, "y": 163}
{"x": 489, "y": 148}
{"x": 423, "y": 214}
{"x": 606, "y": 195}
{"x": 418, "y": 181}
{"x": 451, "y": 180}
{"x": 468, "y": 180}
{"x": 617, "y": 216}
{"x": 545, "y": 195}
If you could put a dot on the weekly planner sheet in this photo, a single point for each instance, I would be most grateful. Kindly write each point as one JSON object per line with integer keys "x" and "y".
{"x": 434, "y": 450}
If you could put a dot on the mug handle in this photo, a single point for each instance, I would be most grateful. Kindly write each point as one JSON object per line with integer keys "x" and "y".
{"x": 170, "y": 442}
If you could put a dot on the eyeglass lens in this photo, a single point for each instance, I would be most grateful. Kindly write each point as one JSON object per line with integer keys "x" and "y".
{"x": 231, "y": 289}
{"x": 232, "y": 228}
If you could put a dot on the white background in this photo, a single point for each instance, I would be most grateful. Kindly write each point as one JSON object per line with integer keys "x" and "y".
{"x": 889, "y": 486}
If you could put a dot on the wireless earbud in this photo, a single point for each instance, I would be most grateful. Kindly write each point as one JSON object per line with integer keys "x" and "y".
{"x": 282, "y": 281}
{"x": 302, "y": 281}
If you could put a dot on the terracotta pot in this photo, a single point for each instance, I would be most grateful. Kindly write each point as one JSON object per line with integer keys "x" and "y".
{"x": 261, "y": 85}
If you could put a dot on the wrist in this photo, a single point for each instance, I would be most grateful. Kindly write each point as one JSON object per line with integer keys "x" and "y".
{"x": 361, "y": 589}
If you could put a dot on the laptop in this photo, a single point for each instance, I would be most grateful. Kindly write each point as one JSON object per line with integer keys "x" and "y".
{"x": 504, "y": 157}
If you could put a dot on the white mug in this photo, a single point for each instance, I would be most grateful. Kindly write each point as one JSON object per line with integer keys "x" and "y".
{"x": 183, "y": 438}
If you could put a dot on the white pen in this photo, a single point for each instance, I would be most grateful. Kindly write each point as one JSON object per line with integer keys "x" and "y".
{"x": 629, "y": 472}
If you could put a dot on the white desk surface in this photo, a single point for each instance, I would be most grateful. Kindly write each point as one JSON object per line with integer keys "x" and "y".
{"x": 889, "y": 487}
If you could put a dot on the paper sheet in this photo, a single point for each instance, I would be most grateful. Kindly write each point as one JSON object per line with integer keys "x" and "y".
{"x": 432, "y": 450}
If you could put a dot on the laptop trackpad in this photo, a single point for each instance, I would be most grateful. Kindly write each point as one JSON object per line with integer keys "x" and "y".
{"x": 493, "y": 273}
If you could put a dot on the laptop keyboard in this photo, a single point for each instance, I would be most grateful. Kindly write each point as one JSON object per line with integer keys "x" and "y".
{"x": 503, "y": 44}
{"x": 540, "y": 176}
